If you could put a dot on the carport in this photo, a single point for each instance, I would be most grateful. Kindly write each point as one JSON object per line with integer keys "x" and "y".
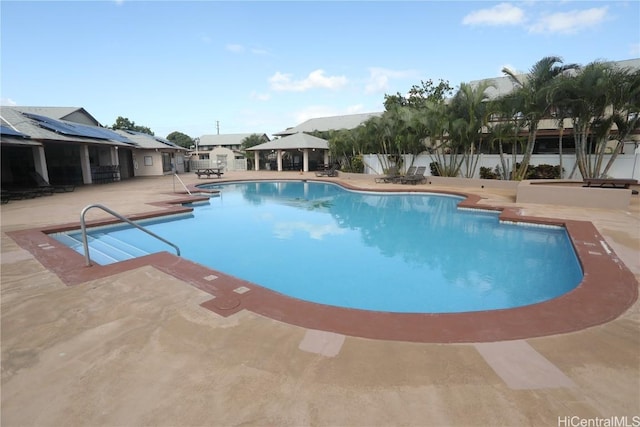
{"x": 299, "y": 151}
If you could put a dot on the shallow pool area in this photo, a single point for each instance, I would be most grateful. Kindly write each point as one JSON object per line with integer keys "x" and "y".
{"x": 390, "y": 252}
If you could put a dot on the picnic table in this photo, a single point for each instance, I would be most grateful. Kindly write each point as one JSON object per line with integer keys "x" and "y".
{"x": 609, "y": 182}
{"x": 209, "y": 171}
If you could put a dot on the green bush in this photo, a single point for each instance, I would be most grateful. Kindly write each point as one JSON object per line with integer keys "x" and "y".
{"x": 543, "y": 172}
{"x": 354, "y": 164}
{"x": 487, "y": 173}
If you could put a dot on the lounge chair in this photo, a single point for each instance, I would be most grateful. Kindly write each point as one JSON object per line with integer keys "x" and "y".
{"x": 410, "y": 172}
{"x": 391, "y": 175}
{"x": 19, "y": 193}
{"x": 332, "y": 171}
{"x": 45, "y": 187}
{"x": 417, "y": 177}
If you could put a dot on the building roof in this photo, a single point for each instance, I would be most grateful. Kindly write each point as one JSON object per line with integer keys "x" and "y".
{"x": 350, "y": 121}
{"x": 293, "y": 142}
{"x": 31, "y": 121}
{"x": 504, "y": 85}
{"x": 73, "y": 114}
{"x": 150, "y": 142}
{"x": 227, "y": 139}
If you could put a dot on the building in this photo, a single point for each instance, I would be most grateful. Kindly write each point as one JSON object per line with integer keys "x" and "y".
{"x": 68, "y": 146}
{"x": 322, "y": 124}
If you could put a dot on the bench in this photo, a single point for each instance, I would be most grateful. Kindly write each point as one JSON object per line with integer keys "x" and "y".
{"x": 209, "y": 171}
{"x": 609, "y": 182}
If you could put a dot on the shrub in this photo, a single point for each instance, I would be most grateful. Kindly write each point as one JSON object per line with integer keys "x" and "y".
{"x": 543, "y": 172}
{"x": 353, "y": 164}
{"x": 487, "y": 173}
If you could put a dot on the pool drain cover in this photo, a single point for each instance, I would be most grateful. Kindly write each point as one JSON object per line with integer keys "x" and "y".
{"x": 225, "y": 303}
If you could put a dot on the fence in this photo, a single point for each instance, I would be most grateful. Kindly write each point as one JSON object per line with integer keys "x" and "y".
{"x": 625, "y": 165}
{"x": 237, "y": 164}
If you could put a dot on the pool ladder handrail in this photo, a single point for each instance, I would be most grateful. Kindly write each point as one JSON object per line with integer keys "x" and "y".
{"x": 85, "y": 241}
{"x": 175, "y": 175}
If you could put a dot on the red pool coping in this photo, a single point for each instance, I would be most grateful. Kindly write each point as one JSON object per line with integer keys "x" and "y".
{"x": 607, "y": 290}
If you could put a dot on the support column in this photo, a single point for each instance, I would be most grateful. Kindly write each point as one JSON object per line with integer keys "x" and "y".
{"x": 85, "y": 163}
{"x": 256, "y": 157}
{"x": 305, "y": 160}
{"x": 40, "y": 162}
{"x": 279, "y": 160}
{"x": 326, "y": 157}
{"x": 115, "y": 161}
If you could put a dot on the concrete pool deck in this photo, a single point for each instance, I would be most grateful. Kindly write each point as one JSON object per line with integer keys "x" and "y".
{"x": 136, "y": 347}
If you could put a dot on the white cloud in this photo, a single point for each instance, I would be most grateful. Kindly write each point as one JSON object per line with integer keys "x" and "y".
{"x": 501, "y": 14}
{"x": 260, "y": 96}
{"x": 379, "y": 79}
{"x": 286, "y": 230}
{"x": 257, "y": 51}
{"x": 354, "y": 109}
{"x": 235, "y": 48}
{"x": 8, "y": 102}
{"x": 315, "y": 79}
{"x": 570, "y": 22}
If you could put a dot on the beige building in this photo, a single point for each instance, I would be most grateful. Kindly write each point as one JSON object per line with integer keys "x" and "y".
{"x": 67, "y": 146}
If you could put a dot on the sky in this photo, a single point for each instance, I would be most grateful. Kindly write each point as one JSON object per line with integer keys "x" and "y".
{"x": 207, "y": 67}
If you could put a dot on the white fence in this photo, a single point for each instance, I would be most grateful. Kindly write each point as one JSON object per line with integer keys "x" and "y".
{"x": 237, "y": 165}
{"x": 625, "y": 165}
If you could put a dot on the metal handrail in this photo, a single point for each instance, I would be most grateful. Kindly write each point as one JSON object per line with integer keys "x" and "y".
{"x": 85, "y": 241}
{"x": 175, "y": 175}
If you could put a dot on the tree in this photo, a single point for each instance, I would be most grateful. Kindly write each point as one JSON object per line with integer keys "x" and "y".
{"x": 470, "y": 113}
{"x": 533, "y": 89}
{"x": 505, "y": 128}
{"x": 181, "y": 139}
{"x": 251, "y": 141}
{"x": 419, "y": 95}
{"x": 596, "y": 99}
{"x": 126, "y": 124}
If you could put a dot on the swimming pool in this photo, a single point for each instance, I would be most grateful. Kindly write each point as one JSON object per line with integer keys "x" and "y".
{"x": 395, "y": 252}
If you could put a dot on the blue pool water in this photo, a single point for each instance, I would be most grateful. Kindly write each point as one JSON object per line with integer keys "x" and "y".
{"x": 387, "y": 252}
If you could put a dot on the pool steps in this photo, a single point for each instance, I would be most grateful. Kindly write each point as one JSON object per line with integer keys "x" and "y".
{"x": 104, "y": 249}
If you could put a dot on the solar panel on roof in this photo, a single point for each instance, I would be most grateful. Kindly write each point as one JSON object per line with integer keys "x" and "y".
{"x": 157, "y": 138}
{"x": 77, "y": 129}
{"x": 167, "y": 142}
{"x": 6, "y": 130}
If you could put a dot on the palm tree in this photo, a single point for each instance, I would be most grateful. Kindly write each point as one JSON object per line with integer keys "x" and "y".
{"x": 444, "y": 151}
{"x": 532, "y": 89}
{"x": 505, "y": 128}
{"x": 597, "y": 99}
{"x": 625, "y": 114}
{"x": 470, "y": 110}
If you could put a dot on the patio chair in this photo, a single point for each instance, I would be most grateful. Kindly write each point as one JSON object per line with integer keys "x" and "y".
{"x": 19, "y": 193}
{"x": 45, "y": 187}
{"x": 332, "y": 171}
{"x": 417, "y": 177}
{"x": 410, "y": 172}
{"x": 392, "y": 173}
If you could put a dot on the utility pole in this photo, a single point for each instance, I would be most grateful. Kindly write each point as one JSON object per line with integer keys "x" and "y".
{"x": 218, "y": 126}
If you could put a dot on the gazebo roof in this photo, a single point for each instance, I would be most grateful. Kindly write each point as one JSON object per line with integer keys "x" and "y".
{"x": 293, "y": 142}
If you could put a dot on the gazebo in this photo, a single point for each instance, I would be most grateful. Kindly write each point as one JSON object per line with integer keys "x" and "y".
{"x": 295, "y": 152}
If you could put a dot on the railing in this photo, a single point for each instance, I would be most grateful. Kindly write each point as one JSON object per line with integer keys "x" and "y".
{"x": 175, "y": 175}
{"x": 85, "y": 241}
